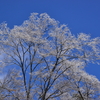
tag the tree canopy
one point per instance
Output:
(47, 61)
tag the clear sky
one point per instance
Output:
(79, 15)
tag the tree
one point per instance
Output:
(11, 86)
(51, 61)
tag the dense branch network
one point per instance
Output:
(47, 61)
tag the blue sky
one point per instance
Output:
(79, 15)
